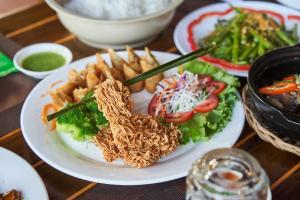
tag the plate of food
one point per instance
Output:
(15, 174)
(246, 30)
(131, 135)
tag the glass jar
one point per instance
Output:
(227, 174)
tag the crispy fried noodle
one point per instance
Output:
(139, 139)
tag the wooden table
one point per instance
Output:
(40, 24)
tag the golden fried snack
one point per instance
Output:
(116, 60)
(66, 88)
(91, 68)
(91, 78)
(83, 73)
(133, 60)
(76, 78)
(117, 74)
(60, 99)
(79, 93)
(102, 77)
(150, 83)
(103, 67)
(130, 73)
(140, 139)
(110, 73)
(150, 58)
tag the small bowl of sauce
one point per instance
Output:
(39, 60)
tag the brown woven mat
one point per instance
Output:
(276, 139)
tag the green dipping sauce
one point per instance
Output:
(43, 61)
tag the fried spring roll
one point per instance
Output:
(91, 78)
(60, 99)
(111, 73)
(103, 67)
(76, 78)
(149, 62)
(133, 60)
(67, 88)
(150, 58)
(116, 60)
(130, 73)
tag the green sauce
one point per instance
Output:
(43, 61)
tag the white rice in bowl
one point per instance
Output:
(116, 9)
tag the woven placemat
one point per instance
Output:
(276, 139)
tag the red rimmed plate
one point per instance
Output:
(201, 22)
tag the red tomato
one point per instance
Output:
(215, 87)
(203, 78)
(279, 88)
(208, 104)
(152, 105)
(291, 78)
(178, 117)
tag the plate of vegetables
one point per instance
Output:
(247, 30)
(82, 143)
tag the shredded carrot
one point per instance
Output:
(167, 82)
(47, 110)
(170, 84)
(55, 83)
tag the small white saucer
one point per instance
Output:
(38, 48)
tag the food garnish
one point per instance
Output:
(199, 100)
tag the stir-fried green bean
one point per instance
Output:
(249, 35)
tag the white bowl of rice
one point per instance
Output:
(115, 23)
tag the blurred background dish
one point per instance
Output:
(200, 23)
(17, 174)
(115, 33)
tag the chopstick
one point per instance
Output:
(152, 72)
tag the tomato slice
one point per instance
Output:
(178, 117)
(290, 78)
(279, 88)
(215, 87)
(153, 105)
(203, 78)
(208, 104)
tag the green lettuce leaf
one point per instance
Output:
(203, 126)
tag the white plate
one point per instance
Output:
(16, 173)
(85, 161)
(291, 3)
(207, 24)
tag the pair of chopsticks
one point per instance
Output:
(157, 70)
